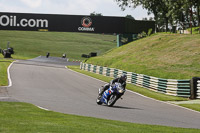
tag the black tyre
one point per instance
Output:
(113, 98)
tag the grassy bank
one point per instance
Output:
(3, 72)
(192, 106)
(30, 44)
(23, 118)
(171, 56)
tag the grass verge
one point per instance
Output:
(3, 71)
(192, 106)
(23, 118)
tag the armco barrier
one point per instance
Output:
(167, 86)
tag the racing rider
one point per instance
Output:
(121, 79)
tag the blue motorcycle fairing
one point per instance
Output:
(107, 93)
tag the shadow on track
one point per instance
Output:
(122, 107)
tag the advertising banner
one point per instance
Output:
(72, 23)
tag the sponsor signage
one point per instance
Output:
(72, 23)
(11, 21)
(86, 24)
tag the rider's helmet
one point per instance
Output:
(123, 77)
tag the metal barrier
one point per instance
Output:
(167, 86)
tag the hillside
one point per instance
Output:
(171, 56)
(30, 44)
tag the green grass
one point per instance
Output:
(97, 76)
(195, 30)
(30, 44)
(26, 118)
(192, 106)
(3, 71)
(143, 91)
(23, 117)
(170, 56)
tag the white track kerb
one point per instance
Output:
(9, 77)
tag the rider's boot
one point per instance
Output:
(101, 92)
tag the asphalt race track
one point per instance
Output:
(48, 84)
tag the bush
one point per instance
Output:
(149, 32)
(141, 35)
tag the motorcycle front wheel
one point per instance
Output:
(112, 100)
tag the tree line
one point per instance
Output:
(168, 13)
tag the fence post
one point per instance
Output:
(119, 40)
(81, 64)
(193, 85)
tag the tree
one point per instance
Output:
(150, 19)
(184, 11)
(197, 5)
(177, 12)
(144, 19)
(167, 11)
(95, 14)
(129, 16)
(157, 7)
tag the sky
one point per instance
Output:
(71, 7)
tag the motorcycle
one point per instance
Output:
(111, 95)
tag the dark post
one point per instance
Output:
(47, 55)
(198, 15)
(64, 56)
(8, 45)
(193, 85)
(191, 20)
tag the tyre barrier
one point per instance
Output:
(181, 88)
